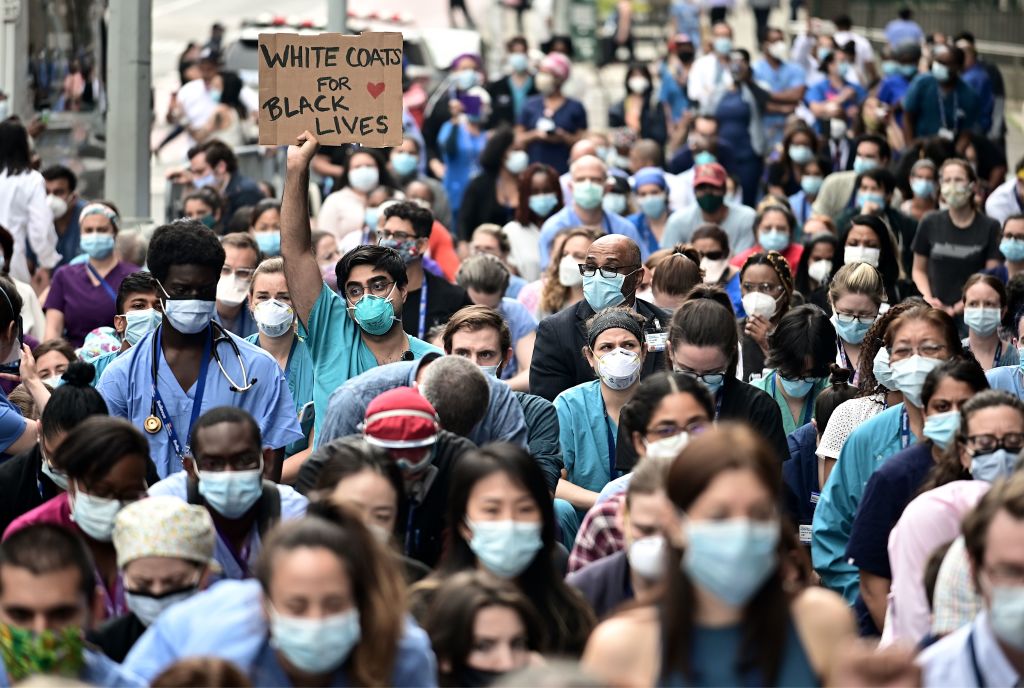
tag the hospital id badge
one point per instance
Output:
(656, 341)
(805, 534)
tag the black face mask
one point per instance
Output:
(685, 56)
(478, 678)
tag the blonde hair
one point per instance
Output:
(857, 278)
(553, 296)
(271, 266)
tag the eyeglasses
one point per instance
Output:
(234, 463)
(849, 318)
(714, 255)
(387, 235)
(607, 273)
(762, 287)
(378, 287)
(986, 444)
(241, 273)
(709, 378)
(928, 350)
(671, 430)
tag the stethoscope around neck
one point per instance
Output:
(219, 335)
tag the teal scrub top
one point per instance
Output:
(773, 388)
(299, 374)
(101, 363)
(1007, 378)
(587, 436)
(867, 448)
(337, 349)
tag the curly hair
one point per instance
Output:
(183, 242)
(553, 294)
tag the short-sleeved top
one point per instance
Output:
(887, 494)
(337, 349)
(957, 110)
(893, 88)
(955, 253)
(1007, 378)
(299, 373)
(738, 225)
(443, 300)
(566, 218)
(85, 306)
(12, 424)
(570, 117)
(293, 505)
(127, 387)
(1008, 354)
(847, 417)
(587, 436)
(520, 324)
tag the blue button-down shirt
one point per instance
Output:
(566, 218)
(503, 421)
(127, 387)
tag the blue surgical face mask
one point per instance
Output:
(588, 195)
(908, 70)
(404, 163)
(603, 292)
(375, 314)
(98, 246)
(880, 369)
(983, 321)
(1005, 614)
(922, 188)
(908, 375)
(731, 559)
(993, 466)
(773, 240)
(797, 388)
(865, 197)
(365, 178)
(489, 371)
(844, 69)
(652, 206)
(722, 45)
(189, 316)
(370, 216)
(850, 330)
(543, 204)
(940, 72)
(518, 62)
(59, 478)
(704, 158)
(231, 493)
(1012, 249)
(811, 184)
(505, 548)
(890, 67)
(941, 428)
(139, 324)
(801, 155)
(315, 646)
(204, 181)
(862, 165)
(465, 79)
(269, 242)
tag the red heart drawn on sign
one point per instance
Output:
(375, 89)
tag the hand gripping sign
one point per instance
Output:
(344, 89)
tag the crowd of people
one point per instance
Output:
(698, 399)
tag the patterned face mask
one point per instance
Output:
(26, 653)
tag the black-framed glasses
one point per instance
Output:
(710, 379)
(378, 287)
(714, 255)
(671, 429)
(608, 273)
(849, 318)
(986, 444)
(386, 235)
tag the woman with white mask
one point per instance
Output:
(561, 285)
(767, 287)
(588, 414)
(917, 341)
(868, 240)
(729, 577)
(271, 306)
(344, 210)
(712, 243)
(984, 313)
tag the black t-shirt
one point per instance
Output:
(23, 486)
(117, 636)
(443, 300)
(955, 253)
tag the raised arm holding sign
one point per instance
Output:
(343, 89)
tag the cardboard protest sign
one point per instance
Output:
(344, 89)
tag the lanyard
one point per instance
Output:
(197, 404)
(805, 414)
(612, 473)
(113, 600)
(423, 309)
(904, 428)
(103, 283)
(978, 677)
(942, 107)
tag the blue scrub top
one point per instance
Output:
(770, 385)
(127, 387)
(867, 448)
(587, 436)
(520, 324)
(227, 621)
(566, 218)
(1007, 378)
(102, 363)
(337, 349)
(293, 505)
(299, 373)
(12, 424)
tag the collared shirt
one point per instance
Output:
(1007, 378)
(952, 660)
(338, 352)
(98, 670)
(599, 534)
(227, 621)
(346, 409)
(931, 520)
(127, 387)
(867, 448)
(24, 213)
(706, 74)
(587, 436)
(566, 218)
(293, 505)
